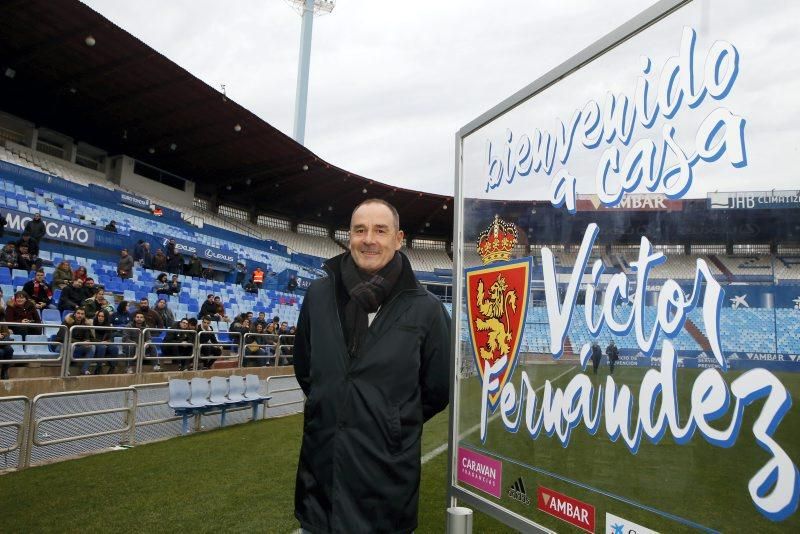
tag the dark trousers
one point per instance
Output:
(595, 364)
(6, 353)
(611, 365)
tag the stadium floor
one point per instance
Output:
(236, 479)
(241, 478)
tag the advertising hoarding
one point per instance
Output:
(617, 361)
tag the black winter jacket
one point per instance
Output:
(359, 467)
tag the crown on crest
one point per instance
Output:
(496, 242)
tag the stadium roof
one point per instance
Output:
(125, 97)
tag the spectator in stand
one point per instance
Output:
(220, 310)
(238, 322)
(138, 251)
(291, 285)
(272, 338)
(111, 227)
(261, 319)
(39, 291)
(208, 307)
(195, 267)
(97, 302)
(62, 276)
(103, 319)
(89, 287)
(283, 330)
(186, 347)
(161, 286)
(160, 261)
(256, 344)
(241, 271)
(131, 336)
(36, 228)
(167, 317)
(208, 272)
(28, 241)
(2, 301)
(174, 285)
(125, 264)
(147, 257)
(121, 317)
(250, 287)
(208, 343)
(25, 261)
(21, 309)
(78, 318)
(152, 318)
(3, 223)
(80, 272)
(28, 253)
(8, 257)
(258, 277)
(175, 263)
(6, 351)
(276, 324)
(72, 296)
(171, 249)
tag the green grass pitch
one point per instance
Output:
(241, 478)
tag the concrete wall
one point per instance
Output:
(123, 175)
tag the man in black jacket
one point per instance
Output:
(36, 228)
(39, 291)
(72, 296)
(371, 354)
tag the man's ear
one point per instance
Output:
(400, 236)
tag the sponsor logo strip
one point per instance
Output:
(566, 508)
(617, 525)
(480, 471)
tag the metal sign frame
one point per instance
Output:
(634, 26)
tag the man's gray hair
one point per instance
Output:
(395, 215)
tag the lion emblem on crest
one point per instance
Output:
(493, 312)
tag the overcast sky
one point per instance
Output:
(391, 82)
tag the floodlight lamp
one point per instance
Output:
(320, 6)
(90, 40)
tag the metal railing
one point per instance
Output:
(33, 340)
(40, 439)
(134, 335)
(150, 348)
(267, 345)
(285, 351)
(230, 345)
(63, 425)
(20, 423)
(137, 348)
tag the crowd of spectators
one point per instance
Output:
(106, 323)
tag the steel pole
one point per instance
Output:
(301, 97)
(459, 520)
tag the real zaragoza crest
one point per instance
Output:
(497, 296)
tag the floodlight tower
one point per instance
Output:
(307, 8)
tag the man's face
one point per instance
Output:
(124, 253)
(143, 304)
(40, 277)
(100, 294)
(216, 300)
(261, 315)
(89, 282)
(37, 217)
(77, 283)
(373, 237)
(80, 315)
(206, 323)
(184, 324)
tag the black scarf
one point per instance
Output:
(367, 294)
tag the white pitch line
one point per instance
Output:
(443, 447)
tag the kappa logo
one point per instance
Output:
(518, 493)
(497, 302)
